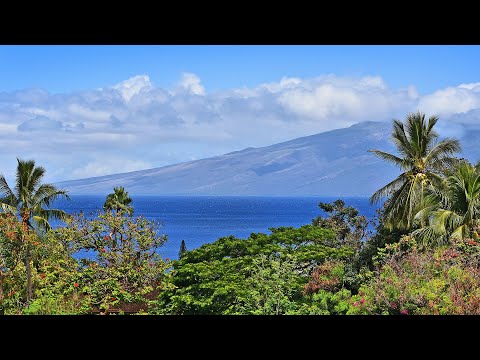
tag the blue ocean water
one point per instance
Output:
(203, 219)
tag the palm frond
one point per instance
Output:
(442, 151)
(47, 193)
(35, 178)
(414, 124)
(41, 222)
(10, 209)
(427, 236)
(459, 233)
(388, 189)
(24, 171)
(4, 188)
(431, 123)
(390, 158)
(43, 216)
(400, 139)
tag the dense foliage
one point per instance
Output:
(422, 258)
(262, 274)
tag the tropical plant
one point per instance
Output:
(272, 287)
(454, 208)
(425, 281)
(345, 221)
(121, 268)
(216, 278)
(183, 249)
(423, 159)
(31, 200)
(119, 201)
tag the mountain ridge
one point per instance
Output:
(331, 163)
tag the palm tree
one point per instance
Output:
(454, 209)
(422, 159)
(31, 201)
(119, 201)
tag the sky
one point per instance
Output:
(83, 111)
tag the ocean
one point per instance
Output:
(203, 219)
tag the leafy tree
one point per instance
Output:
(382, 236)
(272, 287)
(422, 159)
(12, 252)
(52, 269)
(414, 279)
(31, 200)
(326, 290)
(183, 249)
(121, 267)
(454, 209)
(350, 227)
(119, 201)
(213, 279)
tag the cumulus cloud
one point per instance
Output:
(133, 86)
(452, 100)
(191, 83)
(134, 125)
(39, 123)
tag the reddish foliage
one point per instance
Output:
(470, 242)
(322, 278)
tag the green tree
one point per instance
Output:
(422, 160)
(272, 287)
(350, 227)
(119, 201)
(454, 209)
(183, 249)
(214, 278)
(123, 269)
(31, 200)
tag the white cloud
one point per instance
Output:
(105, 166)
(452, 100)
(344, 99)
(191, 83)
(133, 86)
(134, 125)
(40, 123)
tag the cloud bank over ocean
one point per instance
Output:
(134, 125)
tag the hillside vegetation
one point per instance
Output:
(422, 258)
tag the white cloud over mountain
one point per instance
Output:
(134, 125)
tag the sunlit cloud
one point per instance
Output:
(134, 125)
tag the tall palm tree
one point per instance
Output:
(422, 159)
(454, 209)
(119, 201)
(31, 200)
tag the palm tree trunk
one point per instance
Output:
(29, 274)
(1, 290)
(2, 311)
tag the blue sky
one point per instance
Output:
(84, 111)
(60, 68)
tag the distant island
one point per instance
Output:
(333, 163)
(421, 258)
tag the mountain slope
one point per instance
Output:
(333, 163)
